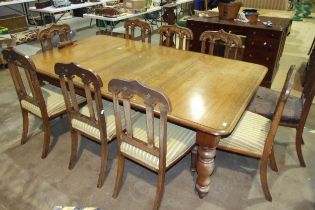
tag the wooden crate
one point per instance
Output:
(15, 23)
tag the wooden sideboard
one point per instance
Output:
(263, 45)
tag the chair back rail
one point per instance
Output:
(145, 28)
(284, 95)
(308, 90)
(92, 84)
(310, 76)
(46, 35)
(233, 47)
(168, 31)
(18, 63)
(126, 90)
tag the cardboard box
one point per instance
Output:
(134, 4)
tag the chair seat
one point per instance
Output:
(265, 101)
(249, 135)
(54, 101)
(179, 141)
(109, 118)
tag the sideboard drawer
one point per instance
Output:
(263, 44)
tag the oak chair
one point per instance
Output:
(46, 35)
(95, 120)
(254, 135)
(233, 46)
(149, 141)
(45, 102)
(168, 32)
(145, 28)
(296, 110)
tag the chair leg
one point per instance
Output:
(25, 126)
(101, 177)
(263, 179)
(298, 145)
(273, 163)
(194, 156)
(74, 149)
(159, 190)
(46, 139)
(120, 173)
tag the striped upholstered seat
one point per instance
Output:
(266, 4)
(54, 101)
(249, 135)
(179, 141)
(108, 108)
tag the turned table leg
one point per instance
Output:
(205, 164)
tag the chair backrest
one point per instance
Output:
(17, 64)
(284, 95)
(126, 90)
(233, 47)
(145, 28)
(308, 93)
(310, 76)
(92, 84)
(171, 31)
(45, 36)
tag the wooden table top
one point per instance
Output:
(207, 93)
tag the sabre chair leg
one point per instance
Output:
(159, 190)
(263, 179)
(273, 163)
(46, 139)
(120, 173)
(74, 149)
(104, 160)
(298, 145)
(194, 156)
(25, 126)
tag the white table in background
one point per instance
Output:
(124, 16)
(52, 10)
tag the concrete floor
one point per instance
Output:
(28, 182)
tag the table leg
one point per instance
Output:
(205, 164)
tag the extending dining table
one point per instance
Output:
(208, 94)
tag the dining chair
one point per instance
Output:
(46, 36)
(149, 141)
(296, 110)
(254, 135)
(233, 46)
(168, 32)
(145, 28)
(45, 102)
(95, 120)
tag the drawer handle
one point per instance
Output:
(250, 55)
(265, 43)
(252, 43)
(267, 58)
(254, 32)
